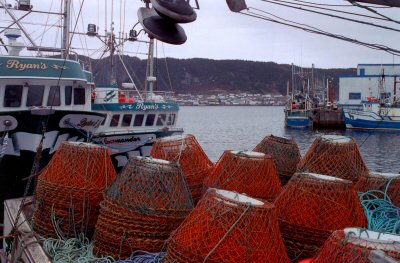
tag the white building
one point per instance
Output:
(355, 88)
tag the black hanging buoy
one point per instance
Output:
(179, 11)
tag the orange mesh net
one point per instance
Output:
(246, 172)
(188, 153)
(228, 227)
(311, 207)
(70, 189)
(333, 155)
(285, 153)
(355, 245)
(147, 201)
(379, 181)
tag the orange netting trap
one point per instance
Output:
(70, 189)
(285, 153)
(380, 181)
(311, 207)
(194, 162)
(334, 155)
(228, 227)
(246, 172)
(355, 245)
(147, 201)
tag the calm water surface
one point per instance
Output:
(242, 128)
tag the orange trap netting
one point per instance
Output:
(379, 181)
(228, 227)
(353, 245)
(334, 155)
(246, 172)
(70, 189)
(285, 153)
(147, 201)
(188, 153)
(311, 207)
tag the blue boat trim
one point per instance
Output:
(136, 106)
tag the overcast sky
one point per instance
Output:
(219, 33)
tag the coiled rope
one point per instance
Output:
(140, 257)
(382, 214)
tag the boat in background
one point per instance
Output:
(377, 113)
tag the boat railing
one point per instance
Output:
(124, 95)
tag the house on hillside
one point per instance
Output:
(355, 88)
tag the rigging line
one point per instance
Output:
(374, 11)
(333, 10)
(167, 68)
(52, 26)
(127, 72)
(47, 20)
(84, 37)
(334, 16)
(313, 3)
(321, 32)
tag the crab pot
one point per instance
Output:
(194, 162)
(228, 227)
(70, 189)
(285, 153)
(147, 201)
(334, 155)
(356, 244)
(311, 207)
(246, 172)
(379, 181)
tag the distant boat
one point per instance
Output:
(377, 113)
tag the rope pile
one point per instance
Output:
(311, 207)
(334, 155)
(246, 172)
(194, 162)
(380, 181)
(140, 257)
(70, 189)
(285, 153)
(147, 201)
(355, 245)
(228, 227)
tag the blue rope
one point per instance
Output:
(141, 257)
(381, 213)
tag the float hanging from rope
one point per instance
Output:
(334, 155)
(311, 207)
(70, 189)
(388, 183)
(147, 201)
(285, 153)
(185, 150)
(246, 172)
(357, 245)
(228, 227)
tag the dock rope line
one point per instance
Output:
(382, 214)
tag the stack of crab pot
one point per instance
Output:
(185, 150)
(246, 172)
(388, 183)
(334, 155)
(311, 207)
(359, 245)
(228, 227)
(147, 201)
(70, 189)
(285, 153)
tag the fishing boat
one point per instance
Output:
(298, 110)
(377, 113)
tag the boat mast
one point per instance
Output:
(151, 78)
(66, 29)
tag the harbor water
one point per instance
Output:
(222, 128)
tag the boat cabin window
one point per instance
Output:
(79, 96)
(138, 120)
(150, 119)
(12, 96)
(354, 96)
(171, 119)
(54, 96)
(385, 95)
(126, 120)
(115, 120)
(161, 119)
(68, 95)
(35, 95)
